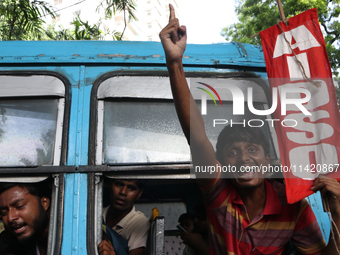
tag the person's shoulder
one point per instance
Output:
(137, 225)
(280, 189)
(140, 216)
(135, 219)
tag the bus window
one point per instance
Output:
(137, 122)
(137, 135)
(172, 198)
(31, 120)
(135, 125)
(28, 129)
(32, 137)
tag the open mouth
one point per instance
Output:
(247, 172)
(19, 228)
(249, 175)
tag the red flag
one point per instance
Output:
(309, 132)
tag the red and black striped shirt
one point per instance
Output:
(231, 232)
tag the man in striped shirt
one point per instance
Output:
(247, 213)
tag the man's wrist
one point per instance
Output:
(174, 65)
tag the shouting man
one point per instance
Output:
(247, 213)
(24, 210)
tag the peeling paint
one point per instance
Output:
(156, 56)
(41, 55)
(186, 56)
(112, 55)
(244, 52)
(76, 55)
(119, 55)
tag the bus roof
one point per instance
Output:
(111, 52)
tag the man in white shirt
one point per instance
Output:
(122, 217)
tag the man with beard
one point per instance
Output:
(24, 210)
(247, 214)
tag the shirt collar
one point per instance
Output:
(123, 222)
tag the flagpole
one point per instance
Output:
(282, 14)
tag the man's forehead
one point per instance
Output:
(14, 194)
(240, 143)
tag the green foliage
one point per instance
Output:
(22, 19)
(126, 6)
(257, 15)
(81, 30)
(112, 6)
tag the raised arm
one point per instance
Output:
(173, 38)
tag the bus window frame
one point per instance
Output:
(63, 130)
(55, 171)
(141, 171)
(97, 102)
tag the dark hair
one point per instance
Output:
(39, 189)
(139, 182)
(229, 135)
(186, 216)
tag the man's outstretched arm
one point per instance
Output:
(173, 38)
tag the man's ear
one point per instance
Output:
(140, 193)
(45, 202)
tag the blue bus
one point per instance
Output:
(79, 113)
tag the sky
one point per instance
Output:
(204, 22)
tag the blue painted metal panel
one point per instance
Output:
(126, 52)
(74, 230)
(74, 242)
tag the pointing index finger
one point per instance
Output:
(172, 12)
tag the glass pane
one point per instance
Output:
(27, 131)
(143, 132)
